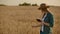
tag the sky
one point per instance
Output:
(16, 2)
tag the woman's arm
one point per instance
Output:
(38, 25)
(46, 24)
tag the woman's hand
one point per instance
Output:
(39, 20)
(46, 24)
(38, 25)
(34, 26)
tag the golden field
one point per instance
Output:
(19, 19)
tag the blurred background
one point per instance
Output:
(16, 2)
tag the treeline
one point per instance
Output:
(2, 5)
(27, 4)
(23, 4)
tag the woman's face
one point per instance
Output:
(43, 10)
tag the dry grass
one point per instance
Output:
(19, 19)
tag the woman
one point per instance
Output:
(46, 21)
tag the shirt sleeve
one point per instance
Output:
(51, 20)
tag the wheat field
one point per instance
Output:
(19, 19)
